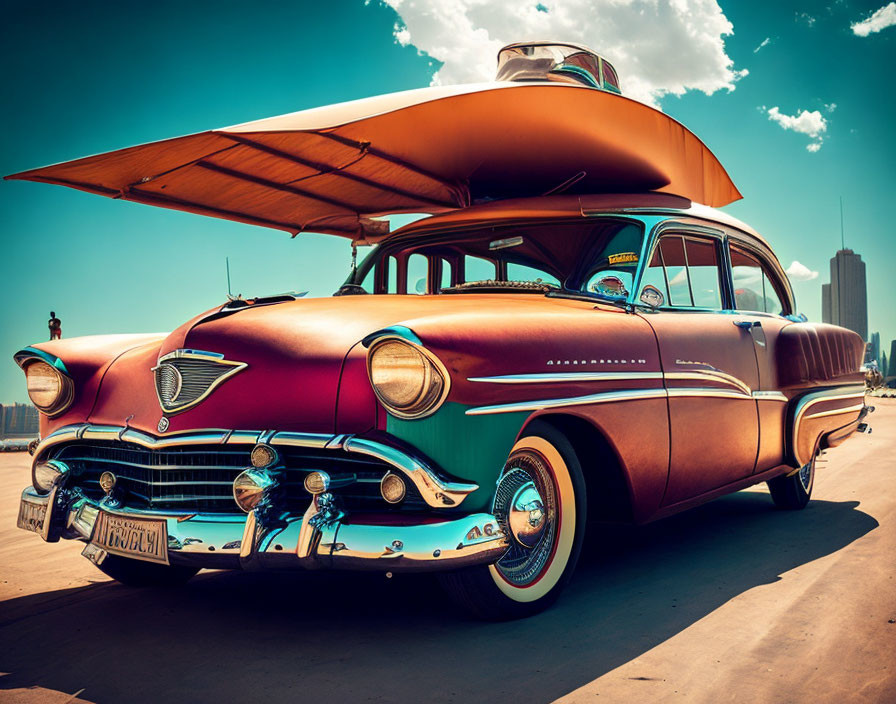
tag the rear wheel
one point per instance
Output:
(139, 573)
(793, 491)
(540, 505)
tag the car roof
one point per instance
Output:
(561, 207)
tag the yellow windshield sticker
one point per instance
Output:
(624, 258)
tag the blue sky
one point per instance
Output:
(82, 78)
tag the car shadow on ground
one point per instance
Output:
(348, 637)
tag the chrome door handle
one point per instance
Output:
(747, 324)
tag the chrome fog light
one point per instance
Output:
(249, 488)
(317, 483)
(392, 488)
(263, 456)
(46, 475)
(108, 482)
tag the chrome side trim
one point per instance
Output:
(606, 397)
(835, 412)
(435, 491)
(574, 377)
(707, 375)
(610, 397)
(567, 377)
(813, 398)
(769, 396)
(708, 393)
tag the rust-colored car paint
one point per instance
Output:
(306, 371)
(87, 359)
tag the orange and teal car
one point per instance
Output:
(573, 333)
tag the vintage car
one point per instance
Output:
(574, 332)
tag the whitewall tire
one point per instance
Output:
(540, 504)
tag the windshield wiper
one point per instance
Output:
(589, 296)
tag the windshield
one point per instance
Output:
(590, 255)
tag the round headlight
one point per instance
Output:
(408, 380)
(49, 390)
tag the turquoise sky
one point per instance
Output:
(82, 78)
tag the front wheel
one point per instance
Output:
(540, 505)
(138, 573)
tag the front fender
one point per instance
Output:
(85, 360)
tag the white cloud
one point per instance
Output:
(800, 272)
(746, 275)
(764, 43)
(830, 107)
(805, 17)
(659, 47)
(880, 19)
(812, 124)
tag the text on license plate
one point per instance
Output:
(142, 538)
(32, 516)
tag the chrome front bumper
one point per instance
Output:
(319, 539)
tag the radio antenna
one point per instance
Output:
(227, 264)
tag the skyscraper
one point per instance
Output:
(845, 299)
(825, 303)
(872, 353)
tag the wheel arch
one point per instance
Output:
(606, 480)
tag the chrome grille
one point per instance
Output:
(168, 381)
(184, 377)
(199, 478)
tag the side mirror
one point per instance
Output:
(651, 296)
(610, 286)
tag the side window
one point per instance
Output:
(418, 272)
(478, 269)
(752, 288)
(610, 76)
(686, 271)
(672, 255)
(703, 270)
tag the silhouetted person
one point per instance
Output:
(55, 325)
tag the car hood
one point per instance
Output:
(305, 365)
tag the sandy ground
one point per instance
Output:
(730, 602)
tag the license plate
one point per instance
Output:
(140, 538)
(32, 515)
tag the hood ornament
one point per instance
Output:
(185, 377)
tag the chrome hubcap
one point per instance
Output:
(806, 475)
(526, 508)
(526, 518)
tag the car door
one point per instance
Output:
(762, 297)
(709, 365)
